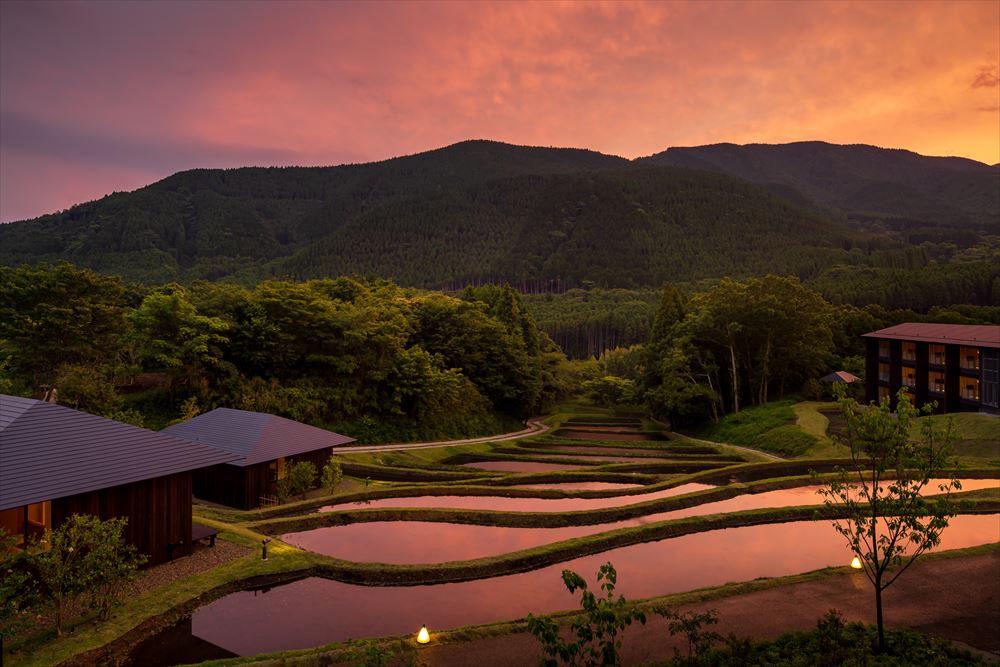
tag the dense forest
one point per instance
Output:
(369, 359)
(894, 188)
(545, 220)
(382, 362)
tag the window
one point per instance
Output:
(909, 351)
(935, 355)
(883, 392)
(883, 348)
(969, 389)
(935, 382)
(969, 358)
(909, 377)
(883, 372)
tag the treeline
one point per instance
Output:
(745, 342)
(366, 358)
(587, 323)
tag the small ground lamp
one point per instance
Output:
(856, 563)
(423, 636)
(263, 548)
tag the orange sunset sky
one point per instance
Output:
(104, 96)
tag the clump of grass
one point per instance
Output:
(788, 440)
(744, 427)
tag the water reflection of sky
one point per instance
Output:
(578, 486)
(431, 542)
(313, 612)
(520, 504)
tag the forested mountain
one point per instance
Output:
(542, 219)
(864, 182)
(208, 223)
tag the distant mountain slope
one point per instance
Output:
(211, 222)
(862, 181)
(622, 228)
(482, 210)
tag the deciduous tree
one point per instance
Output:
(888, 523)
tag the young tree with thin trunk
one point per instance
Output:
(888, 522)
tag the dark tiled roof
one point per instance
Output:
(255, 436)
(973, 335)
(50, 451)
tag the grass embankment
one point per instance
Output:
(770, 427)
(978, 436)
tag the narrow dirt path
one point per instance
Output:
(534, 426)
(954, 598)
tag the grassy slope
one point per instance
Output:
(978, 436)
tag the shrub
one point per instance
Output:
(332, 474)
(597, 632)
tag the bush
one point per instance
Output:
(787, 440)
(300, 477)
(86, 555)
(332, 474)
(598, 631)
(834, 642)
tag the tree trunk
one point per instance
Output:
(878, 615)
(736, 379)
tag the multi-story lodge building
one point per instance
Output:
(956, 365)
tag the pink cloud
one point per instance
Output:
(322, 83)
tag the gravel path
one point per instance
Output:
(204, 558)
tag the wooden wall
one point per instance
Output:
(242, 487)
(158, 512)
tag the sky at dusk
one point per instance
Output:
(104, 96)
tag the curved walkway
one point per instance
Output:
(534, 426)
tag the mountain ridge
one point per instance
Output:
(482, 209)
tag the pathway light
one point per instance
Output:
(423, 636)
(856, 563)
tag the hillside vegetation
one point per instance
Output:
(542, 219)
(900, 189)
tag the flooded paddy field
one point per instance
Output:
(420, 542)
(314, 611)
(578, 486)
(521, 504)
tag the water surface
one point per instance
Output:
(521, 504)
(413, 542)
(313, 612)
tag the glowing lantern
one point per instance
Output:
(423, 636)
(856, 563)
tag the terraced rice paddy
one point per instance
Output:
(315, 611)
(476, 525)
(433, 542)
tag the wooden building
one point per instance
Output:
(956, 365)
(56, 462)
(264, 443)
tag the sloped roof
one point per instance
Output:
(50, 451)
(840, 376)
(973, 335)
(255, 436)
